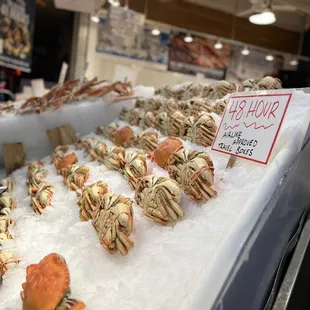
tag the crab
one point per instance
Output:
(220, 89)
(90, 199)
(59, 153)
(115, 158)
(7, 261)
(6, 224)
(151, 105)
(113, 221)
(9, 183)
(124, 137)
(248, 85)
(170, 106)
(192, 90)
(164, 150)
(108, 131)
(33, 167)
(139, 103)
(220, 107)
(123, 89)
(205, 129)
(66, 162)
(134, 116)
(268, 82)
(187, 131)
(98, 151)
(35, 180)
(87, 144)
(7, 203)
(134, 168)
(159, 198)
(148, 120)
(199, 105)
(194, 171)
(147, 140)
(75, 176)
(176, 123)
(162, 121)
(47, 286)
(124, 113)
(42, 198)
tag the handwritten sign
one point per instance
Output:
(250, 126)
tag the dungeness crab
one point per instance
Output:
(7, 203)
(98, 151)
(148, 120)
(113, 221)
(176, 122)
(47, 286)
(9, 183)
(35, 179)
(204, 129)
(7, 261)
(194, 171)
(268, 82)
(114, 158)
(42, 198)
(66, 162)
(75, 176)
(6, 224)
(147, 140)
(159, 198)
(124, 137)
(107, 131)
(162, 123)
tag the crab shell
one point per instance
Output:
(151, 105)
(47, 286)
(66, 161)
(268, 82)
(89, 201)
(32, 169)
(113, 221)
(201, 105)
(35, 180)
(170, 106)
(98, 151)
(176, 123)
(124, 137)
(221, 89)
(205, 129)
(42, 198)
(134, 168)
(194, 171)
(134, 116)
(7, 203)
(109, 130)
(187, 130)
(75, 176)
(220, 107)
(6, 224)
(115, 158)
(148, 120)
(159, 198)
(148, 140)
(248, 85)
(165, 149)
(162, 123)
(193, 90)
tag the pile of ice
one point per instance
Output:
(168, 265)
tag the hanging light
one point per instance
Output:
(155, 32)
(267, 17)
(218, 45)
(269, 58)
(188, 38)
(95, 19)
(245, 51)
(294, 62)
(114, 2)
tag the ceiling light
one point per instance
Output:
(269, 58)
(245, 51)
(114, 2)
(95, 19)
(267, 17)
(188, 38)
(155, 32)
(294, 62)
(218, 45)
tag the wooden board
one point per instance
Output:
(14, 156)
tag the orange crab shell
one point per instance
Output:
(46, 283)
(66, 161)
(123, 135)
(164, 150)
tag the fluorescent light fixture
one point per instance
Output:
(155, 32)
(95, 19)
(269, 58)
(245, 51)
(218, 45)
(267, 17)
(294, 62)
(188, 38)
(114, 2)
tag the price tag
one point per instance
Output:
(250, 126)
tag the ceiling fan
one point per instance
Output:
(258, 6)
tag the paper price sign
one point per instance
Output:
(250, 126)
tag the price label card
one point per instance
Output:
(250, 126)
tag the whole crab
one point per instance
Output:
(199, 105)
(164, 150)
(139, 103)
(220, 107)
(159, 198)
(33, 167)
(42, 198)
(9, 183)
(66, 162)
(124, 137)
(187, 131)
(220, 89)
(147, 140)
(108, 131)
(114, 158)
(6, 224)
(98, 151)
(47, 286)
(7, 261)
(176, 123)
(75, 176)
(134, 168)
(162, 121)
(59, 153)
(123, 89)
(248, 85)
(134, 116)
(268, 82)
(90, 199)
(194, 171)
(192, 90)
(123, 115)
(7, 203)
(152, 104)
(170, 106)
(35, 180)
(205, 129)
(148, 120)
(113, 221)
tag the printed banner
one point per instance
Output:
(250, 126)
(147, 47)
(16, 28)
(198, 56)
